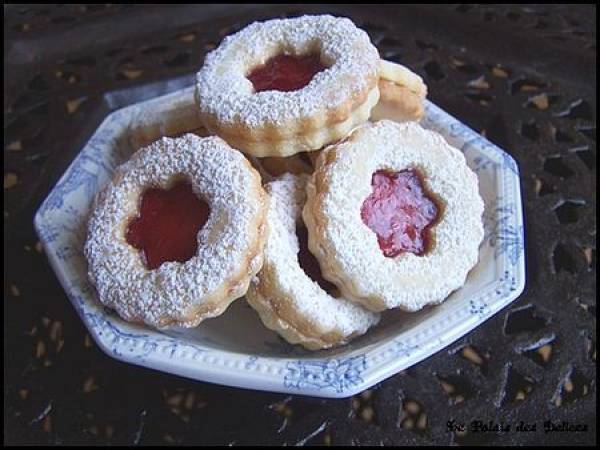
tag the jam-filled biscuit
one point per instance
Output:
(402, 94)
(178, 232)
(287, 299)
(272, 167)
(394, 216)
(168, 116)
(283, 86)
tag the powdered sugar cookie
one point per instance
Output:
(402, 94)
(394, 216)
(284, 86)
(178, 232)
(272, 167)
(286, 298)
(169, 116)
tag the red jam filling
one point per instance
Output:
(309, 263)
(400, 212)
(168, 224)
(285, 73)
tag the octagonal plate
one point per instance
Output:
(235, 349)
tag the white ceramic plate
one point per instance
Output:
(235, 349)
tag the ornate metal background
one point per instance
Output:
(523, 75)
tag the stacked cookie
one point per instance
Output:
(359, 210)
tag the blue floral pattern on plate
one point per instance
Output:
(502, 233)
(337, 374)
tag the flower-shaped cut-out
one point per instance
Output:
(168, 224)
(286, 73)
(400, 212)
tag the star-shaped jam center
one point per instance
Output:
(168, 224)
(285, 73)
(400, 212)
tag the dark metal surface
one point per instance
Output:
(523, 75)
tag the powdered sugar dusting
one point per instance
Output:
(407, 281)
(309, 302)
(170, 293)
(224, 91)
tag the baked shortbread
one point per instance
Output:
(402, 99)
(272, 167)
(169, 116)
(284, 86)
(178, 232)
(286, 298)
(402, 94)
(394, 216)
